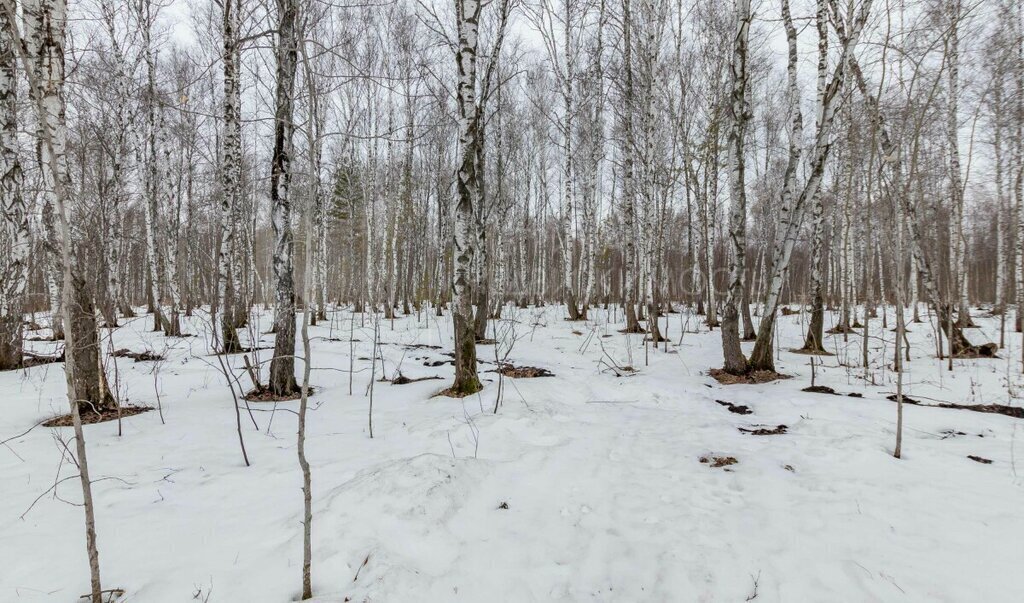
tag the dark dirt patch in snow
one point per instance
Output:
(985, 350)
(245, 350)
(761, 430)
(750, 378)
(735, 408)
(90, 416)
(523, 372)
(718, 461)
(820, 389)
(145, 356)
(402, 379)
(1016, 412)
(906, 400)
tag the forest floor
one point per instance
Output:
(587, 485)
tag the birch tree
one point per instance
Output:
(230, 173)
(45, 23)
(15, 242)
(792, 207)
(735, 361)
(956, 191)
(282, 367)
(468, 23)
(628, 202)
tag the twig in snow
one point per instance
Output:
(757, 580)
(365, 561)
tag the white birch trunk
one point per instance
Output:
(282, 366)
(467, 19)
(230, 172)
(15, 241)
(735, 361)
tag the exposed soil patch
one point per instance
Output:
(985, 350)
(998, 409)
(485, 342)
(249, 350)
(761, 430)
(719, 461)
(90, 416)
(735, 408)
(980, 459)
(145, 356)
(523, 372)
(906, 400)
(1016, 412)
(435, 362)
(753, 377)
(402, 379)
(820, 389)
(420, 346)
(788, 312)
(263, 394)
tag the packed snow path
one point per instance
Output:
(584, 486)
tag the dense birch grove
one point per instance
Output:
(738, 159)
(577, 152)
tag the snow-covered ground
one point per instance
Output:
(606, 497)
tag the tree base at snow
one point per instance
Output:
(263, 394)
(452, 392)
(809, 351)
(101, 415)
(726, 378)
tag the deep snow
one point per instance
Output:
(606, 498)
